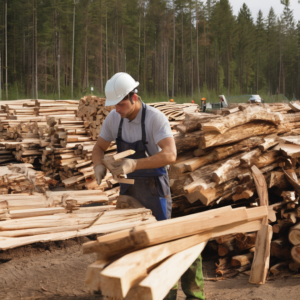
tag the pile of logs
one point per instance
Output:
(218, 172)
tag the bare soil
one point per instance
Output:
(56, 270)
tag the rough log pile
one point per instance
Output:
(218, 173)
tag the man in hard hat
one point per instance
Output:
(134, 125)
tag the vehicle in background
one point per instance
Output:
(210, 106)
(255, 99)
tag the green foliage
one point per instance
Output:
(236, 54)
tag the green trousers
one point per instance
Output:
(192, 282)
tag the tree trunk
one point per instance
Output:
(6, 78)
(58, 67)
(73, 41)
(106, 54)
(192, 77)
(36, 66)
(173, 80)
(46, 79)
(101, 61)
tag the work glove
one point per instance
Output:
(124, 166)
(125, 201)
(100, 172)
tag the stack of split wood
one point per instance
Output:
(93, 112)
(23, 227)
(22, 178)
(218, 172)
(23, 127)
(174, 111)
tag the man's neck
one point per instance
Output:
(137, 107)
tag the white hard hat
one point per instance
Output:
(119, 86)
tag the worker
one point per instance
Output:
(134, 125)
(203, 104)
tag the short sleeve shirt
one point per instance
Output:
(156, 124)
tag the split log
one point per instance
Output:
(270, 141)
(226, 249)
(193, 120)
(292, 151)
(294, 266)
(276, 269)
(295, 252)
(187, 141)
(281, 248)
(250, 114)
(278, 179)
(241, 260)
(213, 138)
(225, 238)
(294, 234)
(217, 154)
(245, 241)
(261, 259)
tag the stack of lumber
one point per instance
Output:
(23, 128)
(93, 111)
(174, 111)
(22, 178)
(145, 263)
(23, 227)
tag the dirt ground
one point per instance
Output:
(56, 270)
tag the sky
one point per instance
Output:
(264, 6)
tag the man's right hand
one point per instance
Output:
(100, 172)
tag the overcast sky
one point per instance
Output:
(265, 5)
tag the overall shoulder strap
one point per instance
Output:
(120, 129)
(143, 124)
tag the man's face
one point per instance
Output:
(125, 107)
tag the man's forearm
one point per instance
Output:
(160, 159)
(97, 155)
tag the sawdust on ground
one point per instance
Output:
(56, 270)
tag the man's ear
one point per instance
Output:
(134, 97)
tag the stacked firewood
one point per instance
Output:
(22, 178)
(218, 173)
(93, 111)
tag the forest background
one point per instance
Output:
(181, 49)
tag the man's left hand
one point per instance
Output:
(124, 166)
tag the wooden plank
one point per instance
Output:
(10, 243)
(123, 154)
(162, 279)
(120, 276)
(260, 265)
(176, 228)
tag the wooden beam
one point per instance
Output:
(261, 259)
(162, 279)
(123, 154)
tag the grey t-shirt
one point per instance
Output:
(156, 124)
